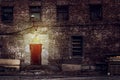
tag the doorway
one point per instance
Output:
(36, 50)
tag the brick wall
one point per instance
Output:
(100, 38)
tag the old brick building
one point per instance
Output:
(82, 33)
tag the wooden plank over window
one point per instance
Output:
(77, 45)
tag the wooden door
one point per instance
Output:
(36, 50)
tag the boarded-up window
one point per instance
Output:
(77, 45)
(62, 13)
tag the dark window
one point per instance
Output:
(77, 43)
(117, 1)
(62, 13)
(7, 14)
(35, 0)
(36, 12)
(8, 0)
(96, 12)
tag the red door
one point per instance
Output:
(36, 50)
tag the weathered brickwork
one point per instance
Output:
(100, 38)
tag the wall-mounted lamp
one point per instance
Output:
(33, 19)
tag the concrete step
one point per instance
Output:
(41, 67)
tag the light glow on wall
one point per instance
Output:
(37, 38)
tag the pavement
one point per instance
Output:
(59, 78)
(39, 75)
